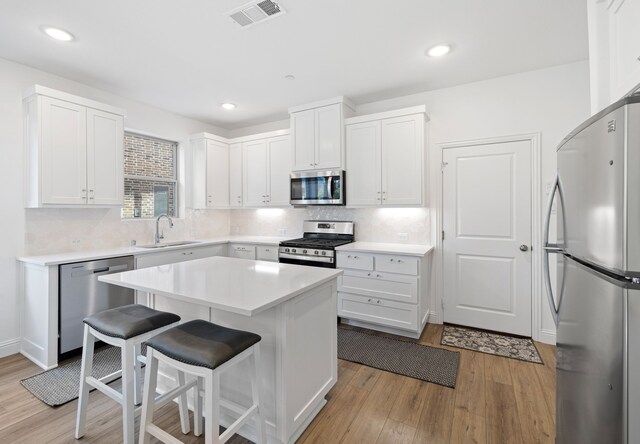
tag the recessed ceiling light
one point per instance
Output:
(290, 77)
(228, 105)
(439, 50)
(58, 34)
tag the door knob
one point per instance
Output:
(524, 247)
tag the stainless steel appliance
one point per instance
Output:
(318, 244)
(597, 296)
(318, 188)
(82, 295)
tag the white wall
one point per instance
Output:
(550, 101)
(39, 231)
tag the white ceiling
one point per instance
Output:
(188, 57)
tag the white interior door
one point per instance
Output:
(487, 236)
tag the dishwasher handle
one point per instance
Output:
(112, 269)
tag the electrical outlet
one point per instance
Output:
(75, 243)
(402, 236)
(282, 231)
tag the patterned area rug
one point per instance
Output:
(492, 343)
(61, 384)
(397, 356)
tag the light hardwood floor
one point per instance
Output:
(496, 400)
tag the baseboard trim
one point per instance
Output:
(547, 337)
(10, 347)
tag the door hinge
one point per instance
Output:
(442, 234)
(443, 165)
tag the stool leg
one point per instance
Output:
(183, 406)
(149, 394)
(255, 388)
(212, 408)
(86, 371)
(197, 407)
(128, 389)
(137, 374)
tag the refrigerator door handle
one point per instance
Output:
(548, 249)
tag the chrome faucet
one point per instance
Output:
(160, 235)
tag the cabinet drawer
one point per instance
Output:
(380, 285)
(397, 264)
(242, 251)
(378, 311)
(267, 253)
(358, 261)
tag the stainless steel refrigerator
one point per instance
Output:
(596, 304)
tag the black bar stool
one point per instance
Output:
(126, 327)
(204, 350)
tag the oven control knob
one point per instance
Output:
(286, 250)
(324, 253)
(304, 251)
(293, 250)
(316, 252)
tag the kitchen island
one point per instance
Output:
(292, 307)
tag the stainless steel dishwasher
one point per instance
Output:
(81, 295)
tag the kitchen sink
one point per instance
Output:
(169, 244)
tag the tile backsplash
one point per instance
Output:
(61, 230)
(395, 225)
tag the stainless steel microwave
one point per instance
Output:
(318, 188)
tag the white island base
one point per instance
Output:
(298, 330)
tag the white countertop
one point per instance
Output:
(237, 285)
(377, 247)
(81, 256)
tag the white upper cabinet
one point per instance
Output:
(402, 160)
(317, 134)
(304, 140)
(385, 158)
(73, 151)
(279, 150)
(105, 172)
(217, 174)
(267, 168)
(363, 163)
(255, 158)
(614, 50)
(235, 175)
(210, 172)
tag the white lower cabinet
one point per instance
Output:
(242, 251)
(267, 253)
(181, 255)
(384, 292)
(378, 311)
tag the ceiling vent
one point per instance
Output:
(255, 12)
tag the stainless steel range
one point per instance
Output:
(318, 244)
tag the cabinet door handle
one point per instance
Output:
(378, 275)
(368, 274)
(378, 301)
(369, 300)
(356, 257)
(391, 260)
(185, 254)
(311, 164)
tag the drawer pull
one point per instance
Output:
(378, 275)
(356, 257)
(368, 274)
(369, 300)
(378, 301)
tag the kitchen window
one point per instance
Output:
(150, 177)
